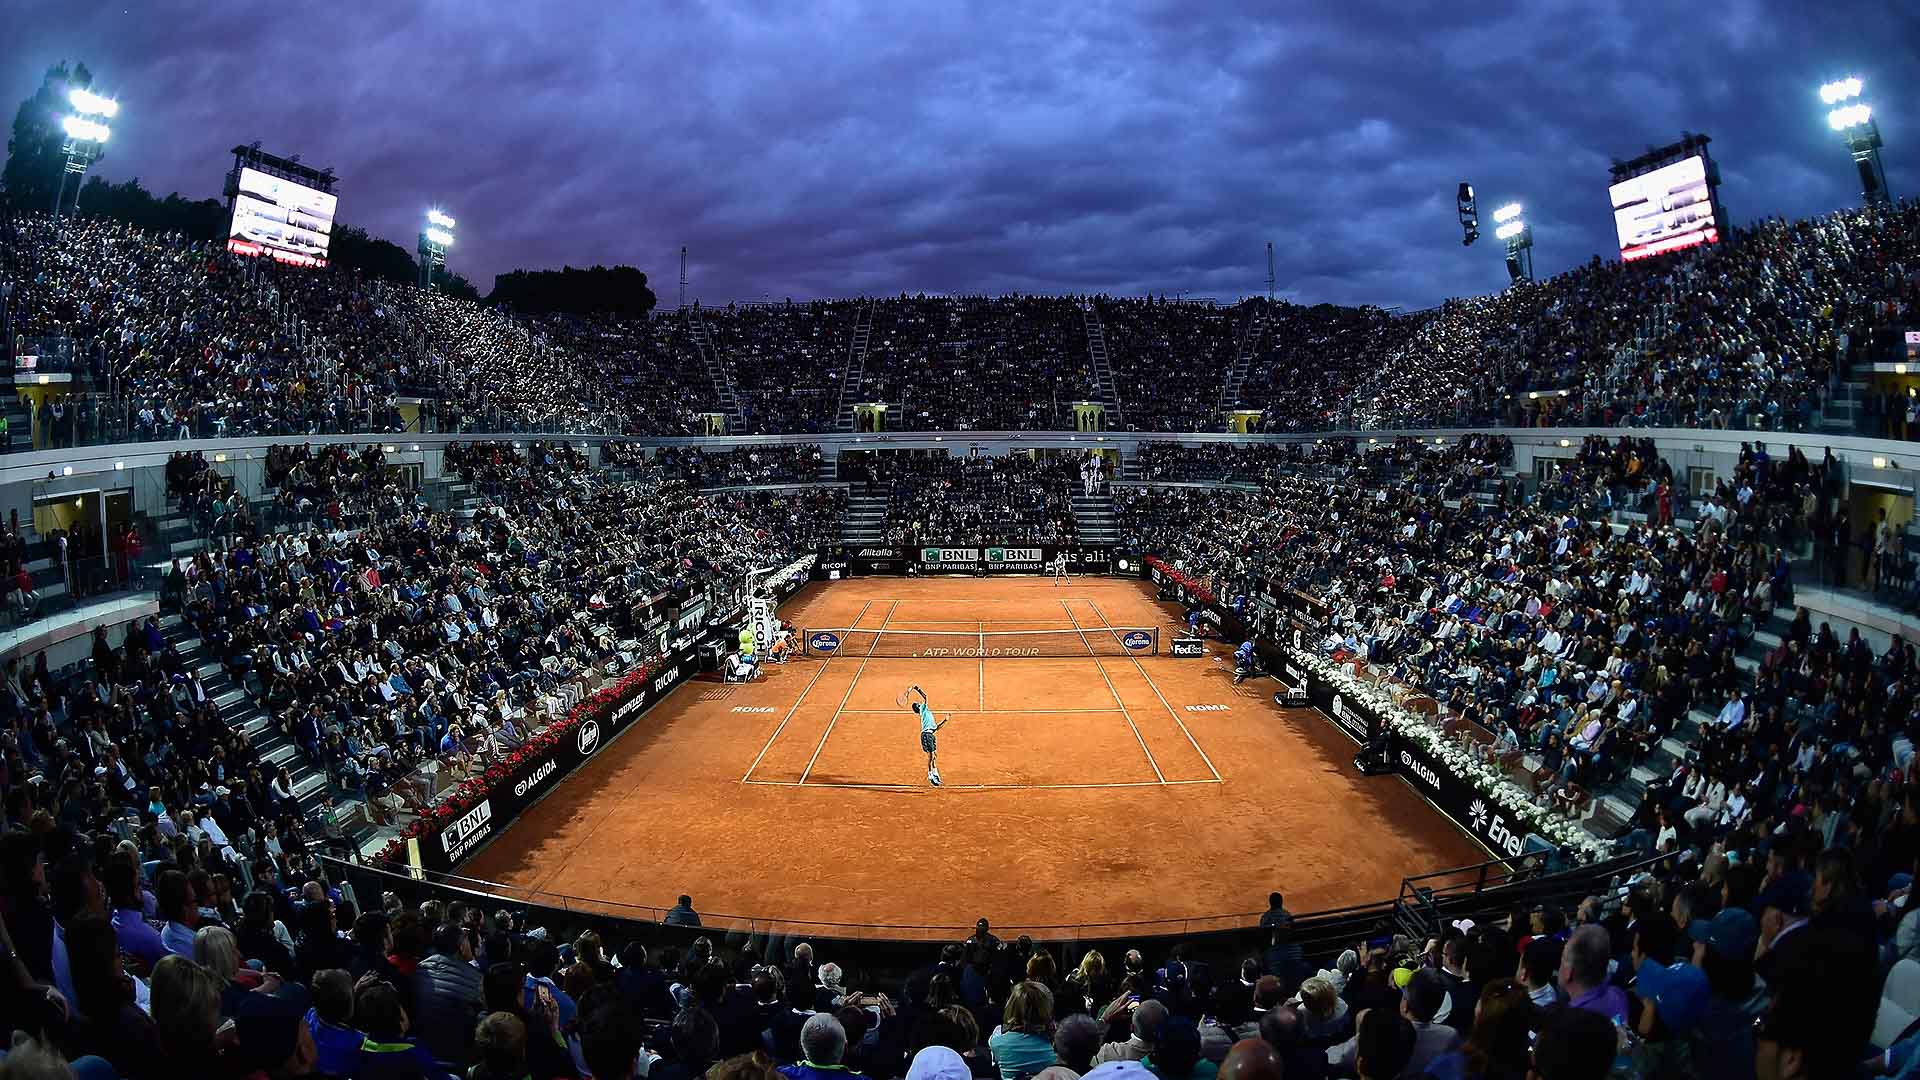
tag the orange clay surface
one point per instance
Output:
(1077, 791)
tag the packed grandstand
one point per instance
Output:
(204, 805)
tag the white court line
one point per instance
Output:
(848, 696)
(983, 712)
(796, 705)
(1116, 695)
(1155, 687)
(983, 670)
(977, 787)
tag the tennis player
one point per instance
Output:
(924, 711)
(1059, 568)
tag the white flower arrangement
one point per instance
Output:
(793, 571)
(1490, 782)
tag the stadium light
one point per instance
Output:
(87, 132)
(435, 238)
(1469, 214)
(1840, 90)
(91, 104)
(81, 129)
(1854, 122)
(1518, 236)
(1849, 116)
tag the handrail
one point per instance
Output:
(1491, 879)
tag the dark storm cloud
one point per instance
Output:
(827, 149)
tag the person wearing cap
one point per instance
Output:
(1674, 999)
(1420, 1000)
(1784, 907)
(1723, 951)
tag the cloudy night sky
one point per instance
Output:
(814, 149)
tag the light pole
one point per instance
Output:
(1519, 237)
(435, 239)
(1853, 119)
(87, 132)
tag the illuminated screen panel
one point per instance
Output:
(1665, 210)
(282, 219)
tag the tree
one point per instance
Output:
(353, 249)
(203, 219)
(618, 290)
(35, 158)
(456, 285)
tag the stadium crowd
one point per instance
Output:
(173, 338)
(139, 957)
(977, 363)
(986, 499)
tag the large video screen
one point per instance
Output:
(1665, 210)
(288, 221)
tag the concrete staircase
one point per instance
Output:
(1095, 520)
(1614, 803)
(1250, 338)
(856, 368)
(1102, 365)
(718, 372)
(273, 745)
(866, 516)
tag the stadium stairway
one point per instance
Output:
(1102, 365)
(274, 746)
(1094, 519)
(866, 516)
(856, 368)
(717, 371)
(1250, 337)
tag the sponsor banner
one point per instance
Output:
(538, 774)
(1136, 641)
(1186, 646)
(1479, 816)
(1355, 720)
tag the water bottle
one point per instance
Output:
(1626, 1055)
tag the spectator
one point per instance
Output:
(448, 995)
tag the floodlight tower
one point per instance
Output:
(1853, 119)
(87, 133)
(1519, 237)
(435, 239)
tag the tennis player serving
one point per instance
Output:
(924, 711)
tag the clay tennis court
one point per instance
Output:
(1098, 788)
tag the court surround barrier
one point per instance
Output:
(1424, 904)
(1438, 783)
(967, 557)
(478, 809)
(1102, 640)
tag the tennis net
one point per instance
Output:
(971, 644)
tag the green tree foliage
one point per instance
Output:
(456, 285)
(580, 291)
(201, 219)
(35, 159)
(352, 249)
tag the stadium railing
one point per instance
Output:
(1424, 904)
